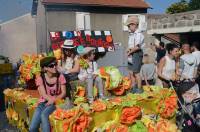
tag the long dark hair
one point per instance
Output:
(170, 47)
(70, 52)
(89, 54)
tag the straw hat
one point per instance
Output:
(86, 50)
(132, 19)
(68, 44)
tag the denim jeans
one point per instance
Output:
(41, 115)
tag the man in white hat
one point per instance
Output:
(135, 45)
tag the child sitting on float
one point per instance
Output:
(51, 87)
(87, 73)
(69, 65)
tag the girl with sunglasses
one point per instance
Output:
(51, 86)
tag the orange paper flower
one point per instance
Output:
(129, 114)
(119, 91)
(82, 123)
(98, 106)
(121, 128)
(167, 107)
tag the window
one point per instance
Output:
(83, 21)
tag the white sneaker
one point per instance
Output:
(90, 101)
(103, 97)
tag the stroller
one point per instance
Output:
(188, 109)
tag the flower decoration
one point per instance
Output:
(129, 115)
(29, 68)
(83, 63)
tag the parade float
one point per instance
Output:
(152, 111)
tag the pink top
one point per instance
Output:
(52, 89)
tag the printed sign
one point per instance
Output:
(102, 40)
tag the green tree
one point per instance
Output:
(194, 5)
(178, 7)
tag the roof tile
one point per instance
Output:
(109, 3)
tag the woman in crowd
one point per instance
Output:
(51, 87)
(167, 65)
(87, 73)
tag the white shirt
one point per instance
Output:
(169, 67)
(69, 63)
(86, 73)
(189, 66)
(136, 38)
(197, 56)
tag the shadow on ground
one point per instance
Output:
(4, 125)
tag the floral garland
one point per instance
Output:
(83, 63)
(29, 68)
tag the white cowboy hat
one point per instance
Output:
(68, 44)
(132, 19)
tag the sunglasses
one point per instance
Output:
(52, 65)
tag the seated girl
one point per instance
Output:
(51, 86)
(70, 64)
(87, 73)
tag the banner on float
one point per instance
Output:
(102, 40)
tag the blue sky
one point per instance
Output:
(13, 8)
(159, 6)
(10, 9)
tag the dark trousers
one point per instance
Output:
(151, 82)
(70, 77)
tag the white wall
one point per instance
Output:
(17, 37)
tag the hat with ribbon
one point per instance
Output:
(68, 44)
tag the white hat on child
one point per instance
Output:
(68, 44)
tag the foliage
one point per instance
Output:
(183, 6)
(194, 5)
(178, 7)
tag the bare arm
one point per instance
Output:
(132, 50)
(63, 92)
(145, 79)
(42, 93)
(178, 72)
(144, 75)
(161, 64)
(76, 67)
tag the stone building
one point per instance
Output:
(178, 28)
